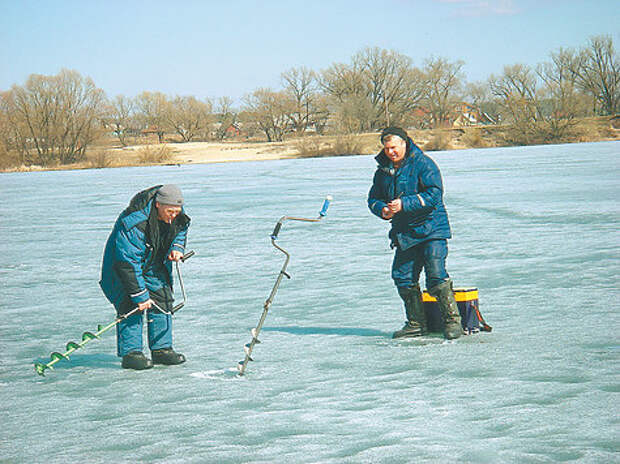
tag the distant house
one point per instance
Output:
(233, 130)
(463, 114)
(153, 131)
(468, 115)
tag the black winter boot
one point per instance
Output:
(449, 309)
(136, 360)
(167, 356)
(414, 311)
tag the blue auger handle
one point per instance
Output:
(322, 213)
(326, 203)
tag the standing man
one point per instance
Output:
(407, 190)
(137, 272)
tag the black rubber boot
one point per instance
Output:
(414, 311)
(449, 309)
(167, 356)
(137, 361)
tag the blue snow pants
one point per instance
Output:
(159, 325)
(430, 255)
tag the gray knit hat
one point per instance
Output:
(169, 194)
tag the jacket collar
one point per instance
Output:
(386, 165)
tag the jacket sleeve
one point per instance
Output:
(376, 201)
(430, 190)
(130, 253)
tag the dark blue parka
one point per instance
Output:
(129, 266)
(419, 186)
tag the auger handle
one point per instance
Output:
(188, 255)
(326, 203)
(276, 230)
(322, 213)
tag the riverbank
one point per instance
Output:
(172, 152)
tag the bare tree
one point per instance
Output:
(346, 91)
(393, 86)
(152, 112)
(12, 132)
(444, 80)
(54, 118)
(379, 87)
(120, 116)
(541, 105)
(561, 88)
(516, 91)
(300, 86)
(597, 69)
(341, 81)
(226, 116)
(354, 114)
(321, 114)
(267, 109)
(188, 116)
(5, 133)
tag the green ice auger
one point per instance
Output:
(72, 346)
(88, 336)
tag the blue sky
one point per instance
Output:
(230, 48)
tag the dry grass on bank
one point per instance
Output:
(317, 146)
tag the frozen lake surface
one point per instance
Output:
(536, 229)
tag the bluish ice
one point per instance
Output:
(536, 230)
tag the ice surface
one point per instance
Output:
(535, 229)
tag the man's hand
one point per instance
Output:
(395, 206)
(387, 213)
(175, 255)
(145, 305)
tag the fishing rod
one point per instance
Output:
(88, 336)
(248, 347)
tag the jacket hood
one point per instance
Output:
(139, 207)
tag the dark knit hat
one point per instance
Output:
(169, 194)
(393, 130)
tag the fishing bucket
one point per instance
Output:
(467, 302)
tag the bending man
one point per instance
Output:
(408, 191)
(137, 272)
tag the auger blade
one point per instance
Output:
(58, 356)
(254, 333)
(72, 346)
(40, 368)
(88, 336)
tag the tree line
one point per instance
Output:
(54, 119)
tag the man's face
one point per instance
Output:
(395, 150)
(167, 213)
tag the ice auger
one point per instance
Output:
(88, 336)
(274, 235)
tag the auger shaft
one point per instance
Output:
(88, 336)
(73, 346)
(249, 347)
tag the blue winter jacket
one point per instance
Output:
(129, 266)
(418, 184)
